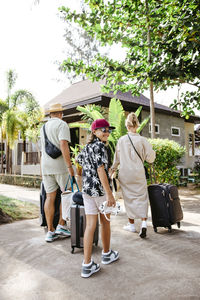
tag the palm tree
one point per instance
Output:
(3, 108)
(11, 118)
(10, 126)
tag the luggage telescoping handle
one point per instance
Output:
(152, 175)
(114, 184)
(72, 182)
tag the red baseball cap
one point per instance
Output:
(100, 123)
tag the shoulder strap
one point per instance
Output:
(45, 135)
(135, 148)
(72, 182)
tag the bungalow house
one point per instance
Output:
(169, 123)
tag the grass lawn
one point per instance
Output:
(18, 210)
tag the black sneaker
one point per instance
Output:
(87, 271)
(109, 258)
(143, 232)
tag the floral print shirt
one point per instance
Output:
(93, 156)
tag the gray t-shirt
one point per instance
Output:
(56, 130)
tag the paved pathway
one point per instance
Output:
(163, 267)
(20, 193)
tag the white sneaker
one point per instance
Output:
(51, 236)
(110, 257)
(62, 231)
(87, 271)
(129, 227)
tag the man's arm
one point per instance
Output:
(64, 147)
(104, 181)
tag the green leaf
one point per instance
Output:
(92, 114)
(138, 111)
(143, 124)
(79, 125)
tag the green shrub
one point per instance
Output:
(168, 154)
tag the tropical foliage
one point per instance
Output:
(15, 114)
(115, 116)
(161, 41)
(168, 155)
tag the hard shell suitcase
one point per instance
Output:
(165, 206)
(78, 224)
(57, 206)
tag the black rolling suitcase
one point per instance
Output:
(165, 206)
(78, 224)
(57, 207)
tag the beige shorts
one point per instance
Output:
(92, 204)
(53, 181)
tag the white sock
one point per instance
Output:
(52, 232)
(144, 224)
(60, 226)
(106, 253)
(86, 265)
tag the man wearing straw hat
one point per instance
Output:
(55, 171)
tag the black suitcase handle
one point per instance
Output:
(81, 226)
(77, 226)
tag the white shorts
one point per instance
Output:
(92, 204)
(53, 181)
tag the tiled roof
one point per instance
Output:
(84, 91)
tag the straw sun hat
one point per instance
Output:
(55, 108)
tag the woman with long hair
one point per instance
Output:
(96, 189)
(131, 152)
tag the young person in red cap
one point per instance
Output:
(96, 189)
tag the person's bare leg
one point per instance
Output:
(61, 221)
(108, 255)
(49, 208)
(91, 222)
(105, 233)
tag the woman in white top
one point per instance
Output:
(132, 174)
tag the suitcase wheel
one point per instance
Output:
(170, 229)
(72, 251)
(178, 224)
(155, 229)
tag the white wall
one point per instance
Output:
(30, 169)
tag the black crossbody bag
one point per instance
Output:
(145, 168)
(50, 148)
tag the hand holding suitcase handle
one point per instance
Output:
(72, 182)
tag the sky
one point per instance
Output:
(31, 39)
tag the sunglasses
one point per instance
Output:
(104, 130)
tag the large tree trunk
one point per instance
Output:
(152, 109)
